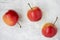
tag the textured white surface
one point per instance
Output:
(29, 30)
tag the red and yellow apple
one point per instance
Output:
(10, 17)
(49, 30)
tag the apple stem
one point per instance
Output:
(19, 24)
(55, 20)
(29, 5)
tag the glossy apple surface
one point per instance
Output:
(49, 30)
(34, 14)
(10, 17)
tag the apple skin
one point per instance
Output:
(49, 30)
(34, 14)
(11, 17)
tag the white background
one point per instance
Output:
(30, 30)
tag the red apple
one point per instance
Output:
(11, 17)
(34, 14)
(49, 30)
